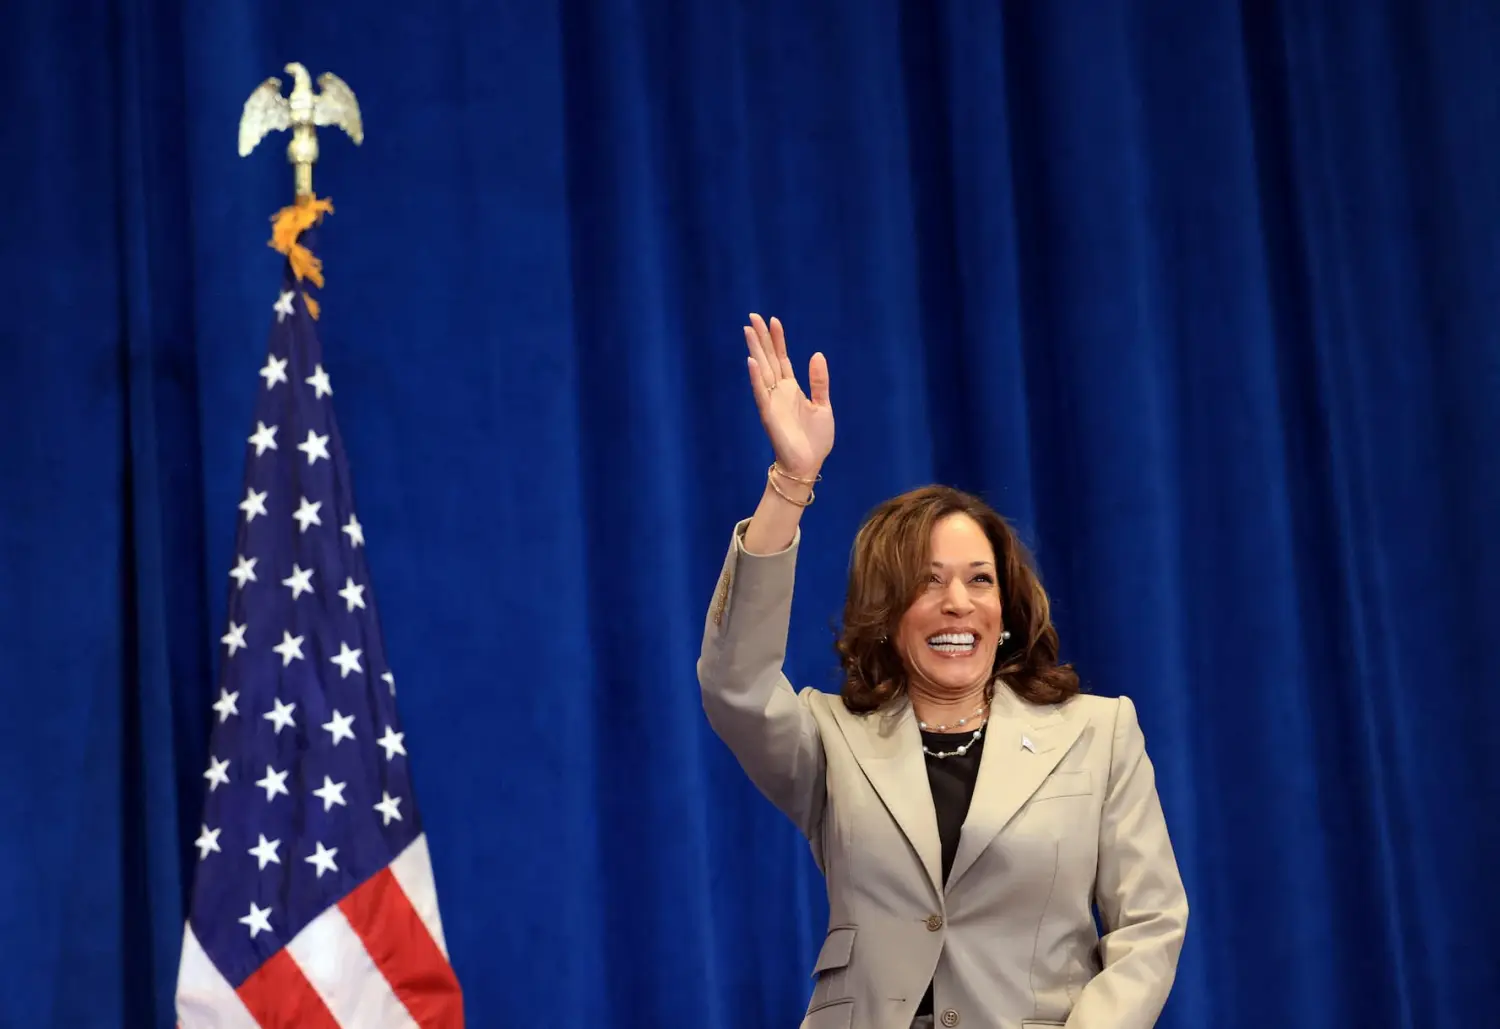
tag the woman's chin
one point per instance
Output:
(954, 675)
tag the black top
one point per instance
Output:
(952, 781)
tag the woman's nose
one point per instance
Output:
(956, 598)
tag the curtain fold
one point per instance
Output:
(163, 629)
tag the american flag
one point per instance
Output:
(313, 899)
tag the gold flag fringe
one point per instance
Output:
(287, 227)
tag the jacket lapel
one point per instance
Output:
(888, 747)
(1022, 744)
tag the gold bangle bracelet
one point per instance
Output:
(778, 470)
(771, 481)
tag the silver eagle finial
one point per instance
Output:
(267, 111)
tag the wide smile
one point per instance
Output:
(959, 644)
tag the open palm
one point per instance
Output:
(799, 424)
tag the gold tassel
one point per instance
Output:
(287, 227)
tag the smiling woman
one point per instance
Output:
(968, 806)
(944, 599)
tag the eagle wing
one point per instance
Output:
(336, 106)
(266, 110)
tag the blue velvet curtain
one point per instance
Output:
(1205, 295)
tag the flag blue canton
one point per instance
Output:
(309, 793)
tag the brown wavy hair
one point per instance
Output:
(887, 571)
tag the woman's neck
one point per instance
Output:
(934, 707)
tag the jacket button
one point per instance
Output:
(950, 1018)
(934, 923)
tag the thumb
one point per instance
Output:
(817, 380)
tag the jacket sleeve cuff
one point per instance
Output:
(761, 580)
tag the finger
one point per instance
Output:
(778, 340)
(817, 380)
(763, 335)
(763, 365)
(757, 385)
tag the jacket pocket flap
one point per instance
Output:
(1064, 784)
(836, 949)
(838, 1014)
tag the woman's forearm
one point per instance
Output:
(774, 524)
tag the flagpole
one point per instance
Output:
(300, 112)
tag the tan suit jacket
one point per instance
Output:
(1065, 812)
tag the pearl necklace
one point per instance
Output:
(959, 751)
(981, 709)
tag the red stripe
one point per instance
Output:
(406, 954)
(280, 997)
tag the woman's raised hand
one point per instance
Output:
(800, 425)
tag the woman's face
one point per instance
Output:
(948, 636)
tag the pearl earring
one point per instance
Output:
(1004, 635)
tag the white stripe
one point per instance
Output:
(205, 1000)
(344, 975)
(413, 870)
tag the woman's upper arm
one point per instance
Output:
(1139, 893)
(1138, 874)
(746, 697)
(1139, 882)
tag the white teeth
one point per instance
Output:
(951, 639)
(952, 642)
